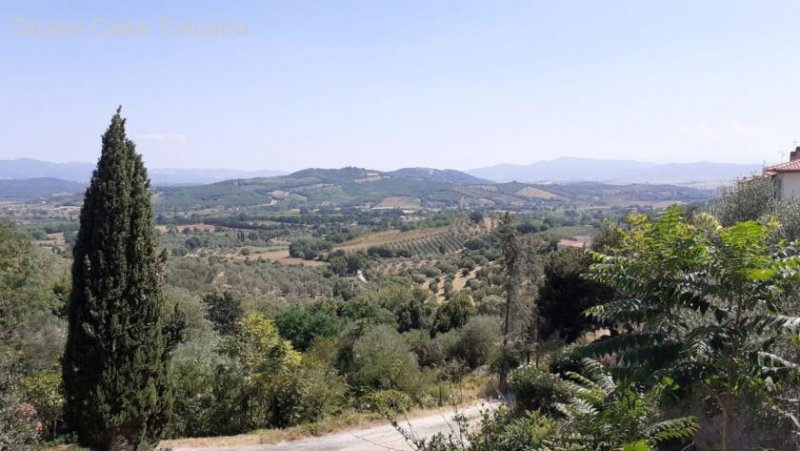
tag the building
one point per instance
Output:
(787, 176)
(579, 242)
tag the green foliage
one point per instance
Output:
(270, 366)
(382, 360)
(31, 337)
(412, 306)
(308, 249)
(534, 389)
(387, 402)
(208, 388)
(115, 362)
(476, 343)
(345, 264)
(608, 416)
(702, 305)
(26, 302)
(747, 200)
(565, 294)
(224, 310)
(454, 313)
(19, 425)
(365, 311)
(250, 280)
(302, 325)
(43, 390)
(429, 352)
(594, 414)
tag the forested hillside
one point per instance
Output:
(355, 187)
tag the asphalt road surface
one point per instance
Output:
(382, 437)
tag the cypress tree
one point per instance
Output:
(115, 361)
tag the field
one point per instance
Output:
(418, 242)
(567, 231)
(280, 256)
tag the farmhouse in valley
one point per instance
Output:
(580, 242)
(787, 176)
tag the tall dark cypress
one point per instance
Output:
(114, 367)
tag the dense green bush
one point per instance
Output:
(476, 343)
(563, 362)
(302, 325)
(534, 389)
(566, 294)
(308, 249)
(224, 310)
(382, 360)
(387, 402)
(454, 313)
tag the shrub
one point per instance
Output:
(429, 352)
(18, 430)
(43, 390)
(224, 310)
(476, 342)
(432, 271)
(302, 325)
(382, 360)
(454, 314)
(380, 251)
(387, 402)
(535, 389)
(564, 362)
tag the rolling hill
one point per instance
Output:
(34, 189)
(406, 188)
(364, 188)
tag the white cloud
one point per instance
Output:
(168, 137)
(724, 131)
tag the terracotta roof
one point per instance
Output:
(572, 243)
(791, 166)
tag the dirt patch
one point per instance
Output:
(460, 282)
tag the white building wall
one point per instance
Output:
(790, 185)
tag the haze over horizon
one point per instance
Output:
(467, 170)
(457, 85)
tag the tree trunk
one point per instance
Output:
(725, 427)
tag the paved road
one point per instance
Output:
(383, 437)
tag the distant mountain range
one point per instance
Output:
(357, 187)
(27, 168)
(405, 189)
(569, 169)
(38, 188)
(566, 169)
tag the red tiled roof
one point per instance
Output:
(791, 166)
(572, 243)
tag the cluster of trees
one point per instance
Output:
(32, 291)
(703, 348)
(244, 369)
(309, 249)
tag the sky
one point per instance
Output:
(387, 84)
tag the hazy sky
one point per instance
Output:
(387, 84)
